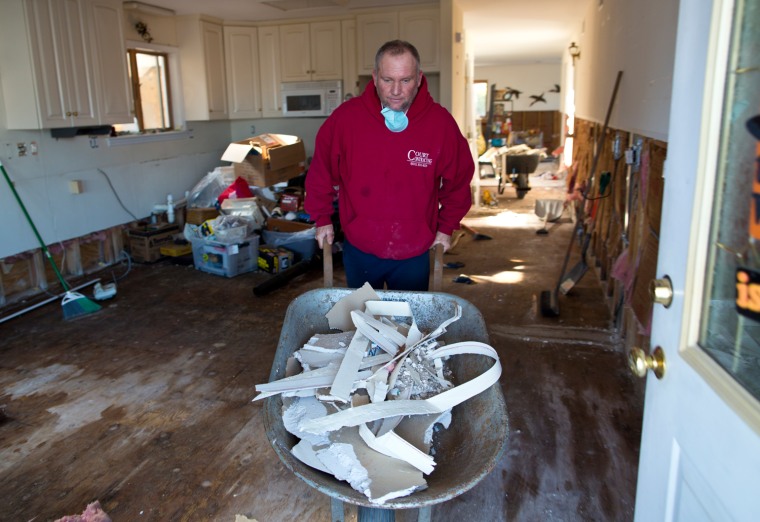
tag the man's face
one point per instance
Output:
(397, 81)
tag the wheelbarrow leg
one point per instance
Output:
(370, 514)
(424, 514)
(336, 509)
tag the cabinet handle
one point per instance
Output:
(76, 113)
(68, 114)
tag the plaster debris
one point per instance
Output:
(367, 401)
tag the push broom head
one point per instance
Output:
(75, 305)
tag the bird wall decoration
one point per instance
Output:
(510, 93)
(555, 88)
(536, 99)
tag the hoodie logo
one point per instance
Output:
(419, 159)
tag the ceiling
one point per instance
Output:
(499, 31)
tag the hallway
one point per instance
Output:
(145, 405)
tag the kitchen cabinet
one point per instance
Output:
(69, 74)
(269, 63)
(204, 85)
(421, 27)
(372, 31)
(311, 51)
(241, 53)
(114, 94)
(350, 73)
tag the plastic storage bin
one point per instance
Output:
(228, 260)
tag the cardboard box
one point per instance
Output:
(146, 240)
(197, 216)
(176, 249)
(286, 225)
(228, 260)
(274, 259)
(266, 159)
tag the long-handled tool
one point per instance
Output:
(477, 236)
(549, 300)
(74, 304)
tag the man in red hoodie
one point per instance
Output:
(401, 170)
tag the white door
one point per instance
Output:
(700, 452)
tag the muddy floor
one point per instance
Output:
(145, 406)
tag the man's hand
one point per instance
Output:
(441, 239)
(325, 232)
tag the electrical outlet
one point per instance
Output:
(21, 149)
(33, 149)
(76, 186)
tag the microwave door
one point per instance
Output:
(303, 103)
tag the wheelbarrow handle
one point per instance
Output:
(327, 266)
(327, 263)
(437, 267)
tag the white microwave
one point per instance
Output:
(303, 99)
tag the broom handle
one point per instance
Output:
(34, 228)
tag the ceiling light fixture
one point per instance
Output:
(575, 51)
(148, 9)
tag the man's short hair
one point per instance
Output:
(395, 48)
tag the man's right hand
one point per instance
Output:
(323, 233)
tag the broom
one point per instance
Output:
(74, 304)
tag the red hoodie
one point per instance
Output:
(396, 189)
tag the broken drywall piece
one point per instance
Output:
(377, 333)
(349, 368)
(436, 404)
(418, 429)
(305, 452)
(392, 445)
(395, 309)
(296, 410)
(379, 477)
(339, 316)
(243, 518)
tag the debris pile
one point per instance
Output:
(365, 402)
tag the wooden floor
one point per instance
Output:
(146, 405)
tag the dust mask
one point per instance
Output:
(396, 121)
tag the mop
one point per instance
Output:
(74, 304)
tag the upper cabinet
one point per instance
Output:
(269, 61)
(74, 71)
(241, 53)
(201, 43)
(311, 51)
(421, 27)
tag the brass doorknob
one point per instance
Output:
(661, 291)
(639, 362)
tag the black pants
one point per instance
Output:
(406, 274)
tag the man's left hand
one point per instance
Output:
(442, 239)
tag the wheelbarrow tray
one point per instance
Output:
(465, 452)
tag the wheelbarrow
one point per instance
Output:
(465, 452)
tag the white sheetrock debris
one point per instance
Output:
(294, 413)
(418, 429)
(379, 477)
(436, 404)
(394, 446)
(349, 368)
(339, 317)
(304, 452)
(407, 394)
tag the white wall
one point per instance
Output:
(528, 78)
(639, 39)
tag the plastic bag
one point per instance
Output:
(206, 192)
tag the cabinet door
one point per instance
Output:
(421, 27)
(269, 61)
(241, 53)
(110, 63)
(295, 60)
(350, 75)
(213, 47)
(62, 77)
(326, 58)
(74, 68)
(373, 30)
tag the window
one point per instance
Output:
(480, 88)
(151, 88)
